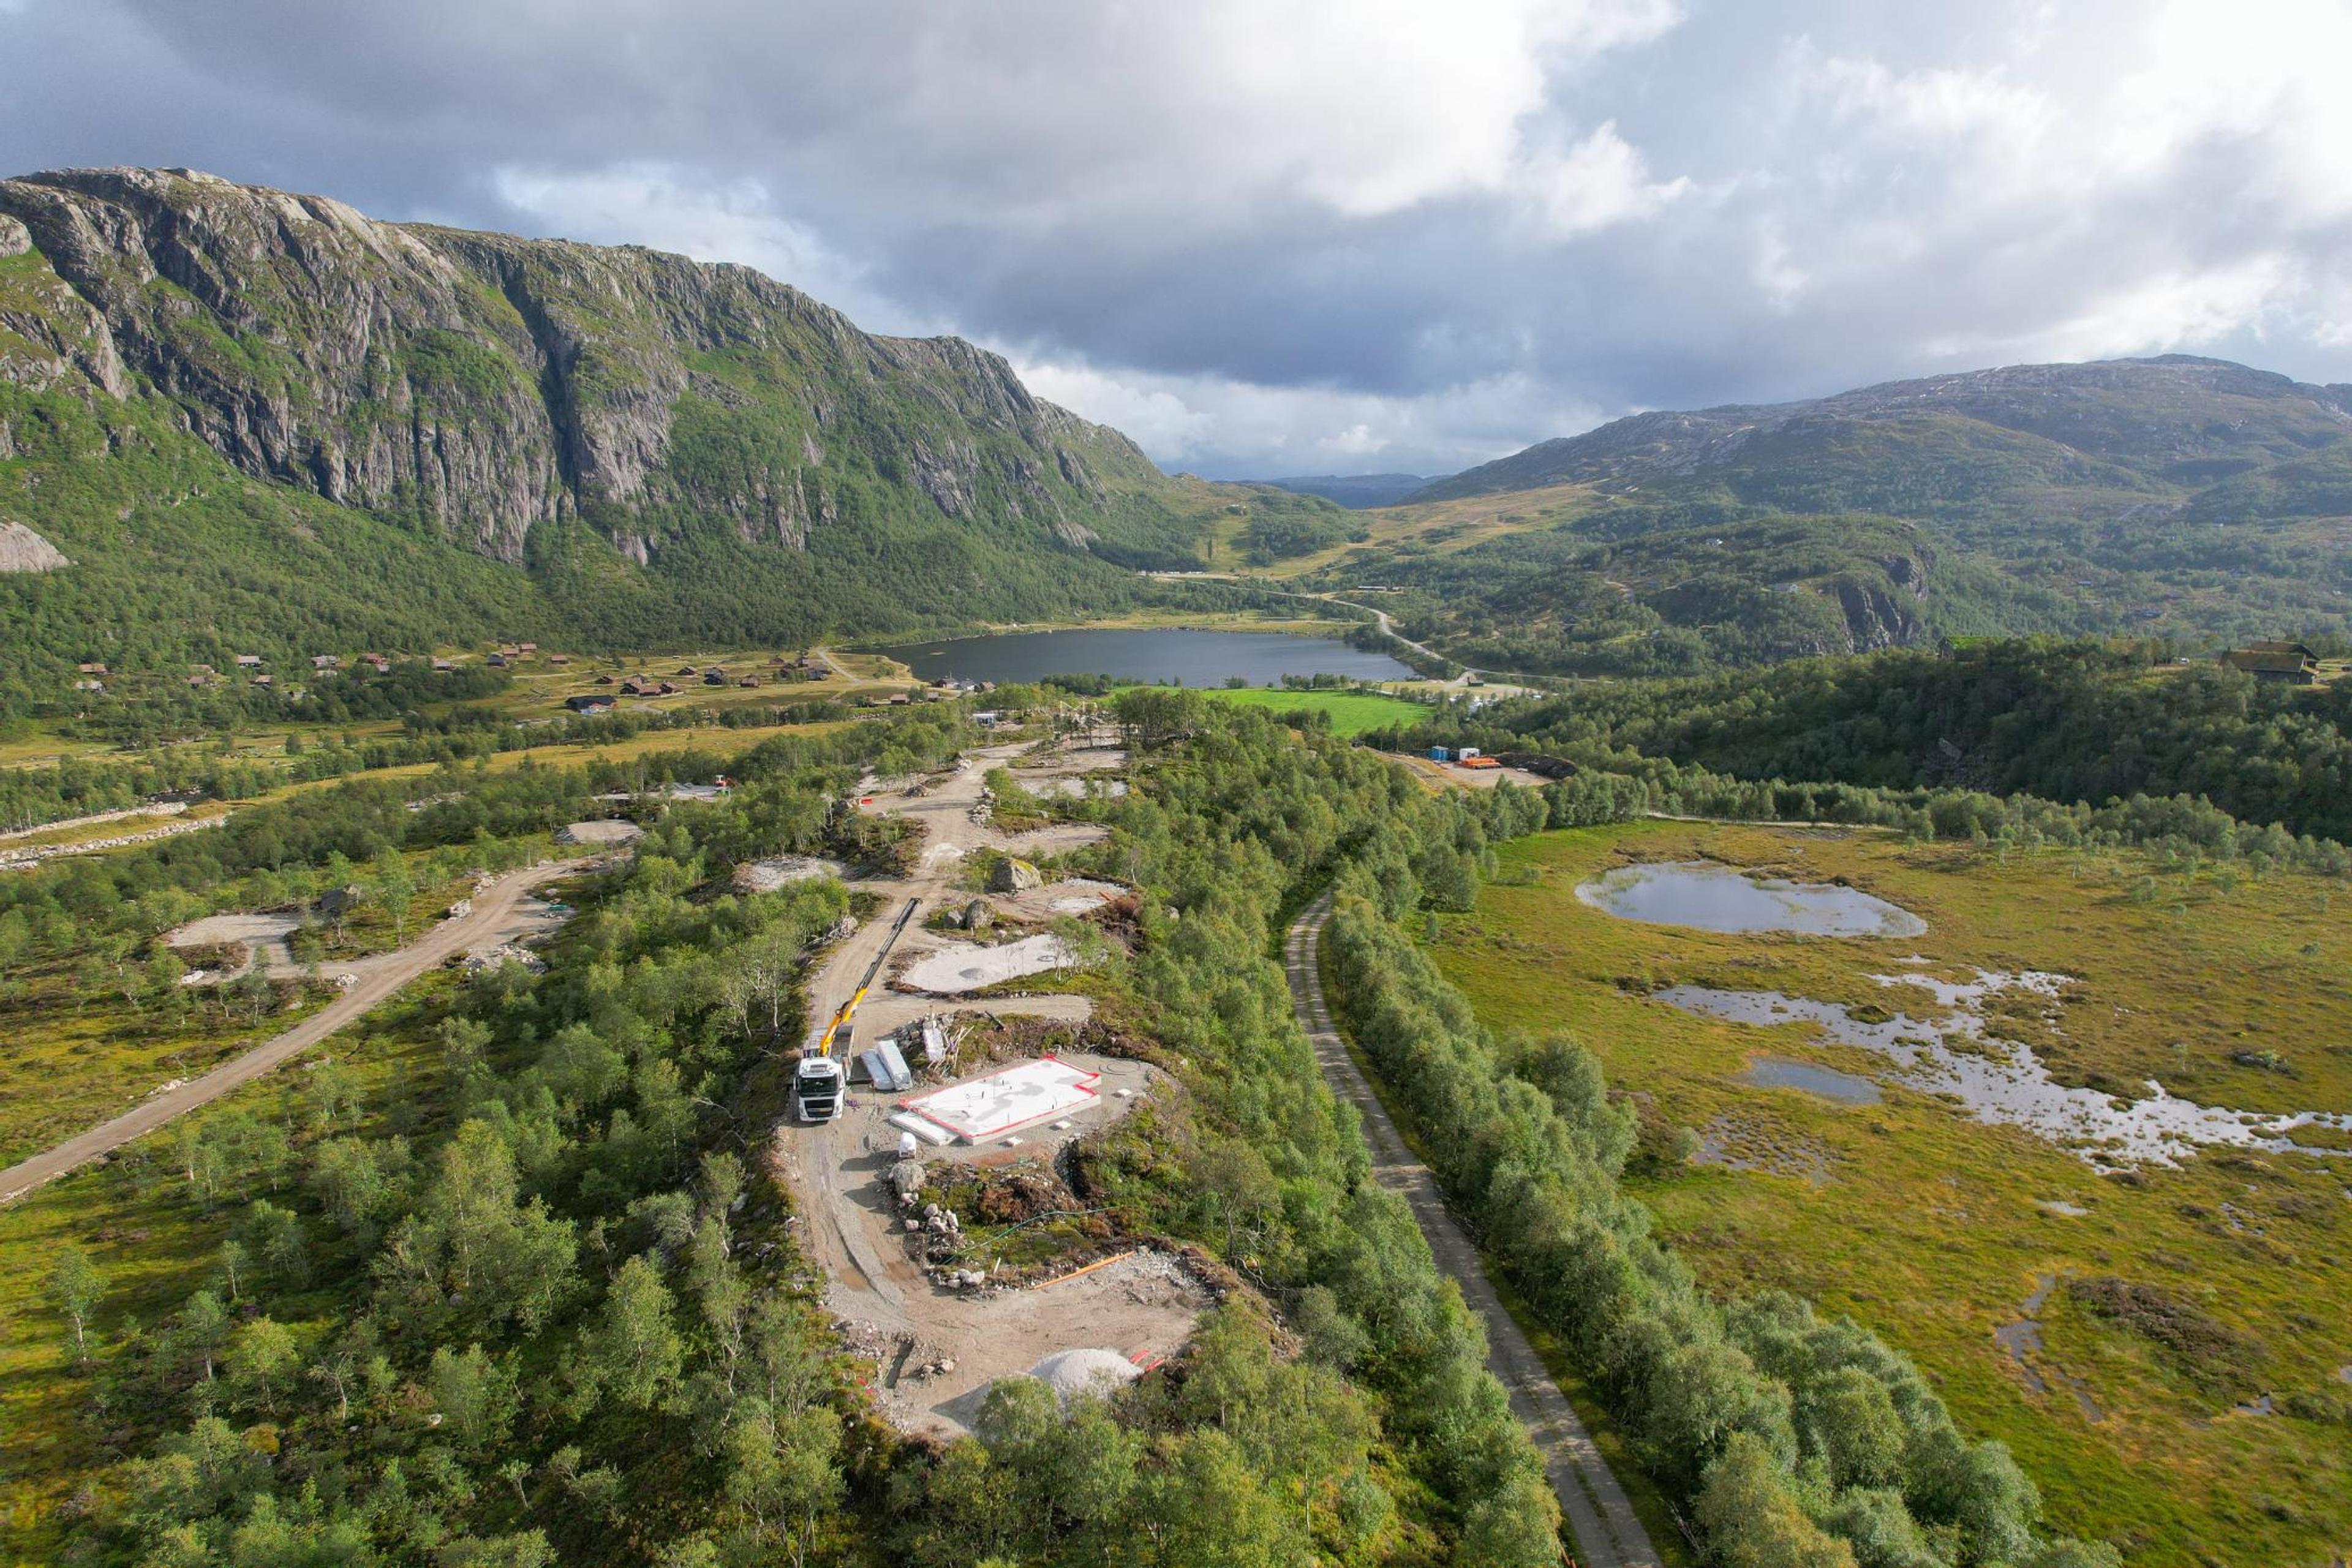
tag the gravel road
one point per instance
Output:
(1607, 1531)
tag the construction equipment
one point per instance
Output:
(818, 1080)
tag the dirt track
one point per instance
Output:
(1607, 1534)
(497, 916)
(873, 1283)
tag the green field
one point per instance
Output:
(1352, 712)
(1931, 1227)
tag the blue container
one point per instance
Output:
(1440, 754)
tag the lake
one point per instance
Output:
(1191, 658)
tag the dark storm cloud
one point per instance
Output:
(1283, 236)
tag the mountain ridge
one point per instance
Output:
(494, 382)
(1357, 492)
(1680, 443)
(2177, 497)
(238, 419)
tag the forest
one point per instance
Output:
(2091, 722)
(542, 1303)
(539, 1304)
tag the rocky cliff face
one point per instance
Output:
(486, 385)
(1883, 614)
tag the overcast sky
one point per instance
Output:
(1269, 237)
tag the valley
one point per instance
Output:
(1762, 985)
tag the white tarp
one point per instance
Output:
(885, 1068)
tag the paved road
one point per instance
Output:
(1607, 1531)
(492, 919)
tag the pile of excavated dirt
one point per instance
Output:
(1085, 1373)
(603, 832)
(1140, 1309)
(768, 876)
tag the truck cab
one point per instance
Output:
(817, 1084)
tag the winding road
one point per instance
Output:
(495, 917)
(1607, 1534)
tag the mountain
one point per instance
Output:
(2157, 428)
(638, 443)
(1356, 491)
(2185, 498)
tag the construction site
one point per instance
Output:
(935, 1108)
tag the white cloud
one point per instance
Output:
(1591, 184)
(1293, 234)
(668, 208)
(1231, 428)
(2181, 310)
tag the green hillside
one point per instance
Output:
(263, 420)
(2177, 497)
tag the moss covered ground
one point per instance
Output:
(1934, 1228)
(135, 1216)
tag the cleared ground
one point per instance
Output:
(1935, 1229)
(877, 1280)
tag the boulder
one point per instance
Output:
(976, 915)
(1014, 876)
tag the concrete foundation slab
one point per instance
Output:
(1006, 1101)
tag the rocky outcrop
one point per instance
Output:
(1876, 618)
(485, 385)
(22, 549)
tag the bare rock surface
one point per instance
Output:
(22, 549)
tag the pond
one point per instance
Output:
(1188, 658)
(1716, 898)
(1779, 1072)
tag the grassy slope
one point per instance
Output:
(1929, 1227)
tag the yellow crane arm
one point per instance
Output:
(836, 1030)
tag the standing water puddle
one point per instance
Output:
(2002, 1082)
(1779, 1072)
(1717, 898)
